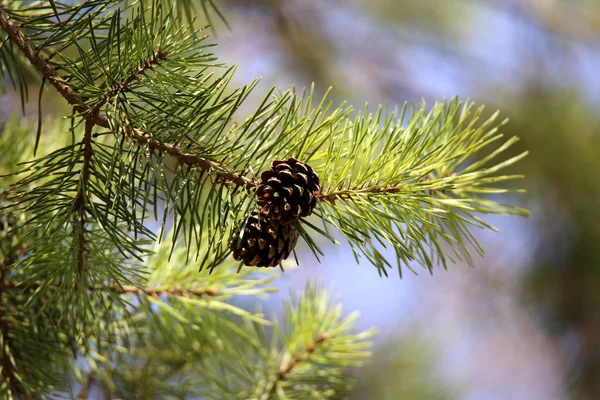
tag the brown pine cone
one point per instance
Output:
(288, 190)
(264, 243)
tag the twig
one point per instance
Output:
(125, 289)
(225, 175)
(80, 199)
(134, 74)
(8, 373)
(298, 358)
(332, 197)
(208, 292)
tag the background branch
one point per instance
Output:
(126, 289)
(285, 370)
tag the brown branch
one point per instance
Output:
(224, 175)
(346, 194)
(298, 358)
(145, 65)
(126, 289)
(208, 292)
(49, 72)
(80, 198)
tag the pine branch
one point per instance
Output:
(208, 292)
(298, 358)
(368, 189)
(418, 186)
(81, 197)
(126, 289)
(90, 200)
(348, 194)
(134, 75)
(224, 175)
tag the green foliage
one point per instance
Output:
(410, 186)
(168, 350)
(416, 188)
(161, 328)
(152, 157)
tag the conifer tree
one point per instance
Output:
(130, 228)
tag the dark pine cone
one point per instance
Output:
(264, 243)
(288, 191)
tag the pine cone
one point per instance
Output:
(288, 190)
(264, 243)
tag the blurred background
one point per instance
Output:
(525, 322)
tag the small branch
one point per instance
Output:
(350, 193)
(298, 358)
(126, 289)
(80, 199)
(224, 175)
(122, 86)
(344, 195)
(208, 292)
(85, 388)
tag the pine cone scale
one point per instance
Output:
(264, 243)
(288, 191)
